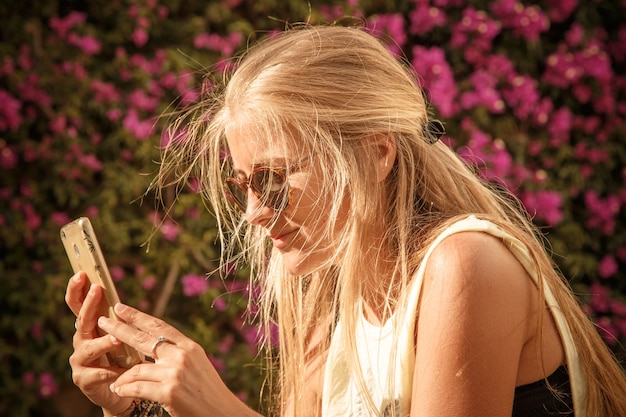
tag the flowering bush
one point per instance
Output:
(534, 94)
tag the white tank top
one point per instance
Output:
(378, 347)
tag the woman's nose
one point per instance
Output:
(256, 211)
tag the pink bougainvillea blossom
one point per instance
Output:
(141, 100)
(140, 129)
(437, 78)
(559, 127)
(88, 44)
(194, 285)
(30, 91)
(139, 37)
(560, 10)
(104, 92)
(47, 385)
(148, 283)
(474, 34)
(10, 117)
(484, 93)
(603, 211)
(59, 218)
(544, 205)
(117, 273)
(62, 26)
(391, 25)
(528, 22)
(424, 18)
(607, 266)
(214, 42)
(169, 230)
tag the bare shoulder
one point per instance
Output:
(472, 325)
(475, 282)
(477, 259)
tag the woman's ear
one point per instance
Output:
(386, 150)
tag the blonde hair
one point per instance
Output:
(336, 90)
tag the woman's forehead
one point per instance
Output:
(248, 147)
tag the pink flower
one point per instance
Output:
(169, 230)
(391, 25)
(47, 385)
(28, 378)
(607, 267)
(117, 273)
(599, 301)
(30, 91)
(226, 344)
(140, 129)
(104, 92)
(10, 117)
(560, 126)
(91, 162)
(59, 218)
(560, 10)
(8, 157)
(139, 37)
(88, 44)
(602, 212)
(544, 205)
(424, 18)
(437, 78)
(142, 101)
(148, 283)
(525, 21)
(194, 285)
(474, 34)
(63, 25)
(521, 95)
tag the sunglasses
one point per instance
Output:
(269, 185)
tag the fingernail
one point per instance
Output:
(77, 278)
(92, 289)
(102, 321)
(115, 340)
(112, 387)
(119, 307)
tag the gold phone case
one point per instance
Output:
(84, 253)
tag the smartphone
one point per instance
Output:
(84, 253)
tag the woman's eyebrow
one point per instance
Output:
(273, 162)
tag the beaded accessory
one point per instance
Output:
(145, 408)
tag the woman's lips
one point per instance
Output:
(281, 239)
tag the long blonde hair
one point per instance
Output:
(336, 89)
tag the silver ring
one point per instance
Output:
(160, 339)
(76, 327)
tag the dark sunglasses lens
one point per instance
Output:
(236, 194)
(271, 187)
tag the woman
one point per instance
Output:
(401, 283)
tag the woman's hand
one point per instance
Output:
(181, 379)
(90, 370)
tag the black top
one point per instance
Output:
(538, 400)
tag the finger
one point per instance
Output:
(147, 381)
(75, 293)
(141, 331)
(149, 324)
(90, 352)
(90, 379)
(93, 307)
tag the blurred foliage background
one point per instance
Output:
(534, 93)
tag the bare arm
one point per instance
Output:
(473, 323)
